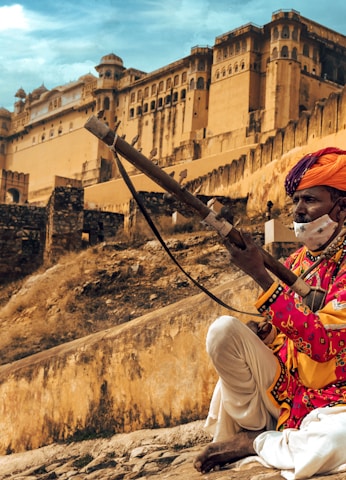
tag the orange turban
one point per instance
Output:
(325, 167)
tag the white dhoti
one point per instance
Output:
(247, 368)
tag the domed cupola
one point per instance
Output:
(110, 67)
(36, 94)
(20, 94)
(111, 59)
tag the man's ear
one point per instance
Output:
(342, 203)
(339, 209)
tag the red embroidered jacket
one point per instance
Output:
(311, 347)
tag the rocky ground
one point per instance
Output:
(165, 454)
(94, 290)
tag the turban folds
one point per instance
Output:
(326, 167)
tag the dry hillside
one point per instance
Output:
(103, 286)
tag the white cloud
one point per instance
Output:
(13, 18)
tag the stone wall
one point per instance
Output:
(100, 226)
(31, 235)
(161, 207)
(141, 374)
(22, 240)
(65, 221)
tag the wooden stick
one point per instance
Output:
(222, 226)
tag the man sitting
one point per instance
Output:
(281, 394)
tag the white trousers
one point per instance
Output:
(246, 369)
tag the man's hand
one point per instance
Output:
(250, 260)
(264, 330)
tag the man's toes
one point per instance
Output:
(198, 465)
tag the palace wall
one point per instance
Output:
(255, 173)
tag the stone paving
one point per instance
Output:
(165, 454)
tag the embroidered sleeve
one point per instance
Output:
(320, 335)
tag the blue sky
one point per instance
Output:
(52, 43)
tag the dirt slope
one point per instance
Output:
(104, 286)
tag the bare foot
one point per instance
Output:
(219, 453)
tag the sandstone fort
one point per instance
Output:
(252, 97)
(228, 120)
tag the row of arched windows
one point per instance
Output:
(284, 52)
(199, 85)
(158, 88)
(285, 33)
(237, 67)
(230, 50)
(51, 133)
(160, 103)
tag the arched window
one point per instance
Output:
(183, 94)
(133, 97)
(242, 65)
(106, 103)
(145, 108)
(153, 89)
(183, 77)
(201, 65)
(161, 86)
(176, 80)
(294, 53)
(152, 105)
(12, 195)
(275, 33)
(284, 52)
(217, 74)
(230, 70)
(305, 50)
(236, 68)
(200, 83)
(159, 103)
(146, 92)
(132, 112)
(168, 83)
(175, 97)
(285, 33)
(295, 34)
(192, 84)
